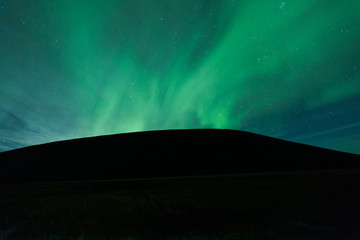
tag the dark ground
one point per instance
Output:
(288, 205)
(247, 186)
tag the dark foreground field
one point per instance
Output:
(288, 205)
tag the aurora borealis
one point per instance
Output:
(286, 69)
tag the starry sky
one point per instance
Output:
(288, 69)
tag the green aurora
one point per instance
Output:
(287, 69)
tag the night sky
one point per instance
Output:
(288, 69)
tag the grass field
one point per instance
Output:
(289, 205)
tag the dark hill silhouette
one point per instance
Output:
(165, 153)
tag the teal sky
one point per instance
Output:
(286, 69)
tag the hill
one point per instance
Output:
(165, 153)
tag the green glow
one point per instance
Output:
(123, 66)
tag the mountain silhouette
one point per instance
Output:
(163, 154)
